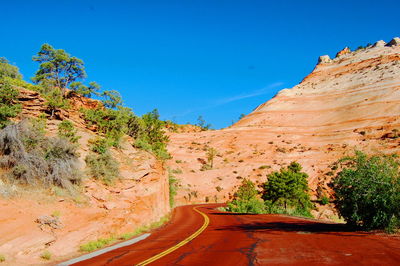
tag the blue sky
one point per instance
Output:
(187, 58)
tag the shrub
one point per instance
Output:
(8, 106)
(173, 187)
(31, 157)
(367, 191)
(99, 145)
(177, 171)
(103, 167)
(324, 200)
(246, 199)
(149, 134)
(110, 122)
(288, 189)
(2, 258)
(67, 130)
(211, 153)
(96, 244)
(46, 255)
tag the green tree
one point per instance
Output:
(8, 70)
(84, 90)
(367, 191)
(288, 188)
(111, 99)
(55, 100)
(246, 199)
(211, 153)
(8, 103)
(57, 68)
(202, 123)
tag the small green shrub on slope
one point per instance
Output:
(67, 130)
(246, 199)
(173, 187)
(102, 165)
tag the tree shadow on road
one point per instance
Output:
(301, 227)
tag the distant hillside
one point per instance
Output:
(346, 103)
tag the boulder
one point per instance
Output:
(50, 221)
(379, 44)
(324, 59)
(394, 42)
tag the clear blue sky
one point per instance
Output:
(188, 58)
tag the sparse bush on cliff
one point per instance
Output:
(367, 191)
(110, 122)
(286, 191)
(149, 134)
(102, 165)
(173, 187)
(67, 130)
(246, 199)
(32, 158)
(8, 103)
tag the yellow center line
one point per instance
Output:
(180, 244)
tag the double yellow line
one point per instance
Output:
(180, 244)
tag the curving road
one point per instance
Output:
(235, 239)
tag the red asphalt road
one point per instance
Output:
(236, 239)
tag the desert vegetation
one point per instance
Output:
(284, 192)
(33, 158)
(30, 156)
(367, 191)
(58, 78)
(173, 187)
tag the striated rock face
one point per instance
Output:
(351, 103)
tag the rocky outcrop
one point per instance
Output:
(394, 42)
(324, 59)
(345, 51)
(380, 43)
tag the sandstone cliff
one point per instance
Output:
(139, 198)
